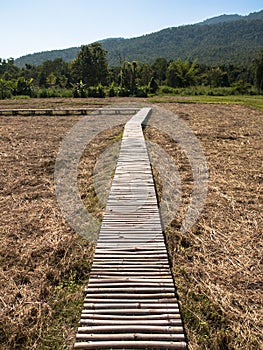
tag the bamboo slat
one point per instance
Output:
(128, 295)
(128, 279)
(131, 345)
(139, 305)
(122, 322)
(131, 336)
(131, 328)
(129, 300)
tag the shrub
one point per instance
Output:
(123, 92)
(112, 92)
(97, 91)
(52, 92)
(100, 91)
(6, 89)
(79, 90)
(141, 92)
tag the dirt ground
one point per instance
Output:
(217, 265)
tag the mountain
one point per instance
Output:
(231, 18)
(222, 18)
(37, 58)
(226, 39)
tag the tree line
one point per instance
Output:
(89, 75)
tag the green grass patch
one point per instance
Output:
(205, 319)
(66, 306)
(247, 100)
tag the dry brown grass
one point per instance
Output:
(217, 265)
(39, 252)
(86, 176)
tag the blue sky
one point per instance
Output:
(28, 26)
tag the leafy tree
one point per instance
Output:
(145, 74)
(8, 70)
(100, 64)
(182, 73)
(128, 78)
(30, 72)
(90, 65)
(114, 74)
(217, 77)
(51, 79)
(259, 72)
(233, 73)
(23, 87)
(52, 73)
(133, 66)
(241, 87)
(153, 86)
(124, 77)
(6, 89)
(160, 68)
(112, 90)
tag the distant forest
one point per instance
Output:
(223, 40)
(222, 55)
(89, 75)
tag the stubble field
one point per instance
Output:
(217, 265)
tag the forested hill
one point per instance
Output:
(227, 39)
(231, 18)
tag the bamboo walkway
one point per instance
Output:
(130, 300)
(64, 111)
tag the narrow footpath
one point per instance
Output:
(130, 300)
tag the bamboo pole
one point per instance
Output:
(130, 345)
(131, 328)
(130, 295)
(131, 305)
(120, 279)
(123, 322)
(130, 336)
(127, 317)
(132, 311)
(131, 300)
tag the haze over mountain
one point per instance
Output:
(225, 39)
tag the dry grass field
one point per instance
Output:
(217, 265)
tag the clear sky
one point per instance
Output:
(28, 26)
